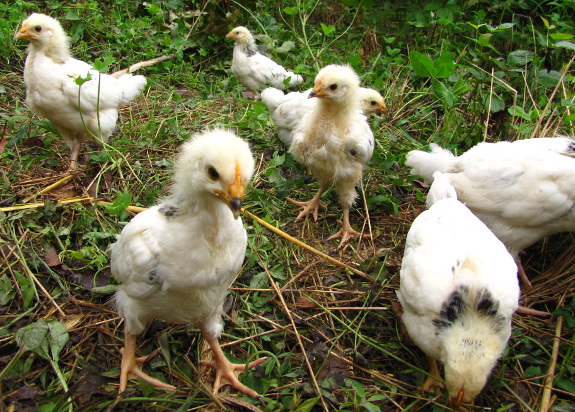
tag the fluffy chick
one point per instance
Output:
(51, 90)
(334, 141)
(458, 291)
(522, 190)
(176, 260)
(287, 110)
(253, 69)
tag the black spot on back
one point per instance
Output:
(168, 210)
(486, 303)
(250, 51)
(452, 309)
(489, 306)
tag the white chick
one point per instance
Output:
(253, 69)
(334, 141)
(458, 291)
(522, 190)
(287, 110)
(176, 260)
(51, 90)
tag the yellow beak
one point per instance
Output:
(234, 194)
(317, 92)
(24, 32)
(382, 108)
(458, 400)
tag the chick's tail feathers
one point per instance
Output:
(131, 86)
(440, 189)
(272, 97)
(425, 164)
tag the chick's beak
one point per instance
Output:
(234, 194)
(458, 400)
(230, 35)
(382, 108)
(318, 91)
(24, 32)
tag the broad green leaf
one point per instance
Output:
(442, 92)
(566, 384)
(485, 39)
(120, 204)
(72, 16)
(370, 407)
(497, 103)
(444, 65)
(356, 386)
(7, 292)
(550, 79)
(505, 26)
(532, 371)
(327, 30)
(422, 64)
(81, 80)
(291, 10)
(519, 57)
(565, 44)
(561, 36)
(103, 65)
(57, 338)
(307, 405)
(27, 288)
(519, 112)
(35, 337)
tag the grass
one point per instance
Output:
(331, 335)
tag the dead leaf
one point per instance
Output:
(28, 392)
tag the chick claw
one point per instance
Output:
(229, 371)
(312, 205)
(130, 367)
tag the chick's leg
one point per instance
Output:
(75, 148)
(226, 369)
(521, 272)
(434, 379)
(312, 205)
(346, 232)
(129, 366)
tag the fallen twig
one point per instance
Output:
(60, 182)
(139, 65)
(306, 246)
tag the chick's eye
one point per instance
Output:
(373, 103)
(38, 29)
(213, 173)
(333, 87)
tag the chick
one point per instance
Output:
(254, 70)
(176, 260)
(458, 291)
(335, 142)
(80, 113)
